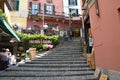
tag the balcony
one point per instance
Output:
(40, 14)
(56, 16)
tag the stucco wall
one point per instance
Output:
(58, 4)
(20, 17)
(7, 12)
(106, 31)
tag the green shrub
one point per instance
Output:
(26, 37)
(23, 55)
(3, 15)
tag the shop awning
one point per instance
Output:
(6, 28)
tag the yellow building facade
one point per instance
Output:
(19, 17)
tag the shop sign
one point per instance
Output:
(40, 41)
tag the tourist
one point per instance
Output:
(9, 55)
(69, 35)
(45, 27)
(3, 60)
(90, 44)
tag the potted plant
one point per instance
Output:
(45, 47)
(23, 55)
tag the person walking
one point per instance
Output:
(69, 34)
(90, 44)
(45, 27)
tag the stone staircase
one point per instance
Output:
(65, 62)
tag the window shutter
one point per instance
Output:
(30, 5)
(70, 12)
(68, 2)
(53, 9)
(39, 7)
(77, 12)
(76, 2)
(45, 9)
(17, 5)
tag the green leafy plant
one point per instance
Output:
(23, 55)
(3, 15)
(45, 46)
(26, 37)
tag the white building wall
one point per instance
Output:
(65, 7)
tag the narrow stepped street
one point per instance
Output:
(65, 62)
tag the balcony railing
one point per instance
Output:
(54, 15)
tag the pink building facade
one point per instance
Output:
(104, 17)
(52, 13)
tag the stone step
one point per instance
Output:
(68, 49)
(54, 65)
(65, 62)
(56, 62)
(63, 51)
(62, 55)
(48, 69)
(65, 57)
(66, 52)
(44, 74)
(72, 46)
(88, 77)
(62, 59)
(68, 59)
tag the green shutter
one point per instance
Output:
(30, 5)
(17, 5)
(45, 9)
(39, 7)
(53, 9)
(68, 2)
(76, 2)
(77, 12)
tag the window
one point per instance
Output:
(72, 2)
(16, 5)
(34, 8)
(49, 9)
(119, 13)
(73, 12)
